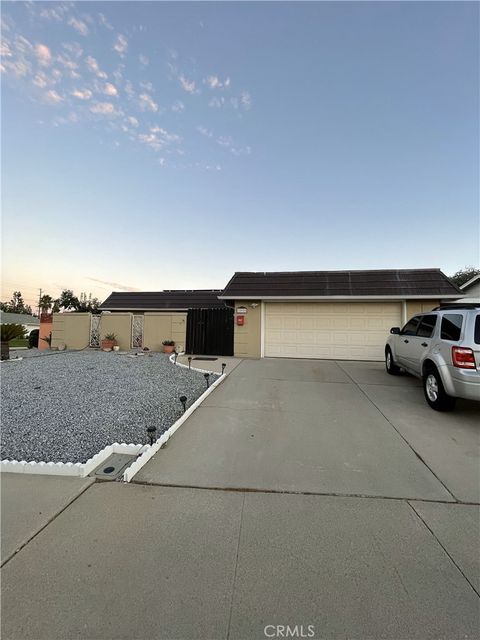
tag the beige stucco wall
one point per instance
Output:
(164, 326)
(121, 325)
(419, 306)
(71, 329)
(247, 339)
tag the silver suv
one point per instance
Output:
(442, 347)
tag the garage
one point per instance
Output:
(340, 331)
(333, 315)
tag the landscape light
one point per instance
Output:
(183, 400)
(207, 379)
(224, 364)
(189, 361)
(151, 434)
(175, 356)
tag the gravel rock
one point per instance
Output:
(67, 407)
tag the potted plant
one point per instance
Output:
(108, 342)
(168, 346)
(9, 332)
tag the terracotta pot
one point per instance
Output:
(168, 348)
(107, 345)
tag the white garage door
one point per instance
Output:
(332, 330)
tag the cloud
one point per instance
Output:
(104, 22)
(43, 55)
(53, 97)
(217, 103)
(116, 285)
(56, 13)
(178, 106)
(104, 108)
(74, 48)
(158, 138)
(79, 26)
(147, 102)
(121, 45)
(92, 64)
(214, 82)
(110, 89)
(245, 100)
(40, 81)
(143, 60)
(86, 94)
(205, 132)
(187, 85)
(133, 121)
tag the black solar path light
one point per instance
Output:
(207, 379)
(224, 364)
(189, 361)
(183, 400)
(175, 356)
(151, 431)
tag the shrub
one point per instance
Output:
(110, 336)
(11, 331)
(168, 343)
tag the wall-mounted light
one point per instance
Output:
(254, 305)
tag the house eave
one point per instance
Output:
(398, 298)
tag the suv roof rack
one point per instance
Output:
(458, 305)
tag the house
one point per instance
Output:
(343, 315)
(471, 290)
(29, 322)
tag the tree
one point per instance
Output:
(464, 275)
(69, 302)
(9, 332)
(46, 303)
(16, 305)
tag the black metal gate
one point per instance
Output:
(210, 332)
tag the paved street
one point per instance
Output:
(300, 493)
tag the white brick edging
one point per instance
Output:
(78, 469)
(151, 450)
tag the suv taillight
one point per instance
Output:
(463, 358)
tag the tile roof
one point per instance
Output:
(162, 300)
(18, 318)
(385, 282)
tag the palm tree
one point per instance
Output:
(46, 303)
(9, 332)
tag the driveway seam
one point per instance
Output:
(49, 521)
(402, 437)
(151, 483)
(419, 515)
(235, 570)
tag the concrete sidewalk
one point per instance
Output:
(299, 426)
(143, 562)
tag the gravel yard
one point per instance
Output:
(68, 406)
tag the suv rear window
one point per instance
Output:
(427, 326)
(476, 332)
(451, 326)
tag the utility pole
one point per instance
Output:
(39, 298)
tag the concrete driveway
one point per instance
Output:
(322, 496)
(324, 427)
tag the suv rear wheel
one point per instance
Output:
(390, 365)
(434, 391)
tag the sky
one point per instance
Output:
(158, 145)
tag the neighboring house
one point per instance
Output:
(343, 315)
(28, 321)
(471, 290)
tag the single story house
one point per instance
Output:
(29, 322)
(343, 315)
(471, 289)
(305, 314)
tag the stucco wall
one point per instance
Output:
(164, 326)
(246, 339)
(419, 306)
(121, 325)
(71, 329)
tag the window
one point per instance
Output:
(451, 326)
(410, 329)
(477, 330)
(427, 326)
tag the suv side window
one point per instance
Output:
(451, 326)
(427, 326)
(410, 329)
(477, 330)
